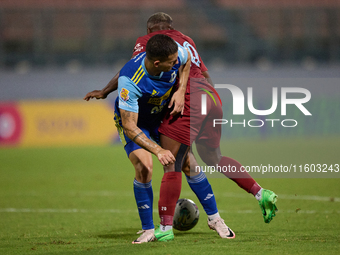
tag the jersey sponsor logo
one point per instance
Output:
(159, 100)
(138, 75)
(124, 94)
(157, 109)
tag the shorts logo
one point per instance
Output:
(124, 94)
(204, 101)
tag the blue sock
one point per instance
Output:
(202, 188)
(144, 199)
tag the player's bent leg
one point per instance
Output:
(178, 149)
(213, 157)
(267, 199)
(170, 188)
(200, 185)
(190, 167)
(142, 162)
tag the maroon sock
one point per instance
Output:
(168, 196)
(242, 179)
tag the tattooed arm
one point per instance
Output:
(129, 121)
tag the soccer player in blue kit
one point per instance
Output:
(144, 90)
(160, 23)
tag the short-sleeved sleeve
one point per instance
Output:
(182, 54)
(128, 94)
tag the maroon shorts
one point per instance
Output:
(192, 125)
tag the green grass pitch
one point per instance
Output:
(80, 201)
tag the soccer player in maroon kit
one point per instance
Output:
(180, 131)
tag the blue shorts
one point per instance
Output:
(129, 145)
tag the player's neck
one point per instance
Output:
(159, 27)
(150, 68)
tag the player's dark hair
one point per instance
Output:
(159, 17)
(160, 47)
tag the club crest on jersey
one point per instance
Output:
(173, 77)
(124, 94)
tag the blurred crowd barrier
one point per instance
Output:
(92, 32)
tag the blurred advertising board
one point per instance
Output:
(56, 123)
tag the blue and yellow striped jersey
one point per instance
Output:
(145, 94)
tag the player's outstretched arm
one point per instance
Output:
(178, 97)
(102, 94)
(129, 121)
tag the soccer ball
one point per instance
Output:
(186, 215)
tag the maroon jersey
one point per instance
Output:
(191, 126)
(197, 65)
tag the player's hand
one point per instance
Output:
(177, 101)
(165, 157)
(98, 94)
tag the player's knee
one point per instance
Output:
(212, 160)
(186, 170)
(143, 172)
(181, 157)
(209, 156)
(186, 166)
(190, 166)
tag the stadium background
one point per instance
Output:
(65, 182)
(52, 51)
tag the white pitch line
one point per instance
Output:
(280, 196)
(117, 211)
(105, 193)
(74, 210)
